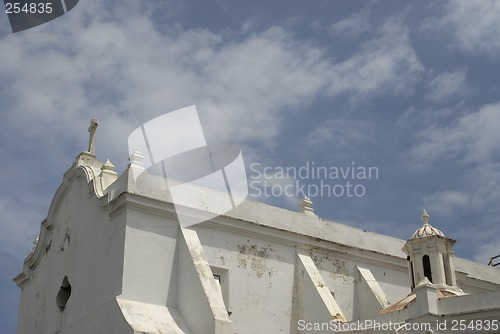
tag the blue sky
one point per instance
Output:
(411, 88)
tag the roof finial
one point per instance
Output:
(136, 165)
(92, 129)
(306, 207)
(425, 217)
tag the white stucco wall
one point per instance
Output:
(262, 264)
(149, 274)
(80, 241)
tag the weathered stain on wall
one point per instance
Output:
(257, 256)
(333, 265)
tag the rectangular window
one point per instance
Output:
(221, 277)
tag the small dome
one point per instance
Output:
(426, 230)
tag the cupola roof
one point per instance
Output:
(426, 230)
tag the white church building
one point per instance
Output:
(112, 257)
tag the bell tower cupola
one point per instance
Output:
(431, 257)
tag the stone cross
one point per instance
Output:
(92, 129)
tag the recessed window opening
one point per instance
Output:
(63, 294)
(447, 269)
(412, 276)
(221, 277)
(427, 267)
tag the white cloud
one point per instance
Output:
(412, 117)
(446, 202)
(252, 83)
(340, 134)
(475, 24)
(484, 180)
(447, 84)
(489, 249)
(17, 231)
(470, 139)
(387, 64)
(352, 26)
(129, 72)
(472, 144)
